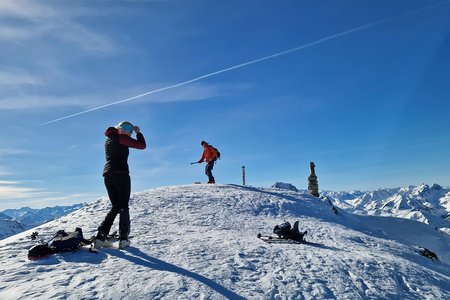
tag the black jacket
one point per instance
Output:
(117, 149)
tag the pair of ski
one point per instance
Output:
(277, 240)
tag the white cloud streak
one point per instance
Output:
(8, 33)
(195, 92)
(25, 9)
(42, 102)
(17, 77)
(58, 23)
(14, 194)
(10, 151)
(12, 190)
(4, 172)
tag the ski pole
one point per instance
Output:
(34, 237)
(192, 163)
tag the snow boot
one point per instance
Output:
(101, 244)
(124, 243)
(101, 240)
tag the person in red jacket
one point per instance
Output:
(210, 156)
(117, 180)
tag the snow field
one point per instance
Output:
(199, 242)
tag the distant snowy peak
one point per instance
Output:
(351, 195)
(284, 186)
(9, 227)
(430, 205)
(445, 203)
(4, 217)
(13, 221)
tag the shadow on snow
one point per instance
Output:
(140, 258)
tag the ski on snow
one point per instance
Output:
(276, 240)
(272, 240)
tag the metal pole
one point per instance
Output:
(243, 175)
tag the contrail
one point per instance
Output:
(322, 40)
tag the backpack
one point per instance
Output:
(218, 153)
(282, 230)
(285, 231)
(64, 241)
(61, 242)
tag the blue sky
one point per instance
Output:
(359, 87)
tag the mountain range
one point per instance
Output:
(423, 203)
(13, 221)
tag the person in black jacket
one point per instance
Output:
(117, 180)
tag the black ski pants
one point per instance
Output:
(208, 170)
(118, 186)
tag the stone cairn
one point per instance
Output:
(313, 184)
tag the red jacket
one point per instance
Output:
(209, 154)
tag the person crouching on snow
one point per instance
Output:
(117, 180)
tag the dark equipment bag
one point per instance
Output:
(61, 242)
(285, 231)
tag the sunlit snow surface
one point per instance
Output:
(199, 242)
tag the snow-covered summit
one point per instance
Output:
(199, 242)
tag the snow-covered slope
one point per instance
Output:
(199, 242)
(430, 205)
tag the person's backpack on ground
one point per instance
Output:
(285, 231)
(61, 242)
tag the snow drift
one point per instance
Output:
(199, 242)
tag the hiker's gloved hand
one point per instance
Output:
(200, 161)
